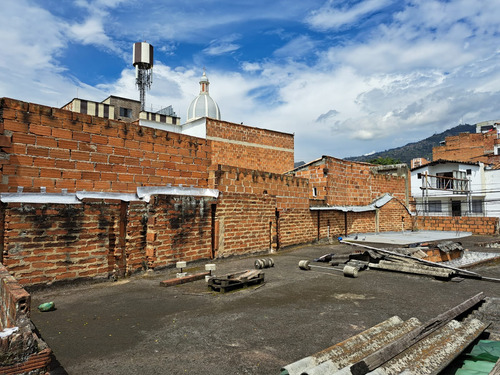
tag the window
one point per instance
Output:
(125, 112)
(477, 206)
(315, 192)
(434, 206)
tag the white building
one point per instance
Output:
(454, 188)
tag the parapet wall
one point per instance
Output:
(476, 225)
(57, 149)
(249, 147)
(466, 147)
(343, 182)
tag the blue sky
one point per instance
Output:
(346, 77)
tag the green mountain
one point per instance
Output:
(420, 149)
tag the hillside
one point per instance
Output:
(418, 149)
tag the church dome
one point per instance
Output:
(203, 105)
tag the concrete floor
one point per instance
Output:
(136, 326)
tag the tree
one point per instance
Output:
(387, 160)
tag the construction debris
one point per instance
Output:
(184, 279)
(235, 280)
(399, 261)
(395, 346)
(349, 271)
(264, 263)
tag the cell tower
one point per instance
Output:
(143, 62)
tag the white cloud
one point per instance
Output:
(297, 47)
(331, 17)
(423, 68)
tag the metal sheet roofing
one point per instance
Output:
(143, 194)
(386, 198)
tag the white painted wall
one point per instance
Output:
(492, 198)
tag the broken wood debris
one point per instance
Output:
(184, 279)
(381, 259)
(235, 280)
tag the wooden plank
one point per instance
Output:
(376, 359)
(185, 279)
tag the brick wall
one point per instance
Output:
(179, 228)
(476, 225)
(249, 147)
(342, 182)
(46, 243)
(246, 223)
(15, 302)
(290, 191)
(466, 147)
(58, 149)
(21, 351)
(393, 217)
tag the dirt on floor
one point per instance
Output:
(136, 326)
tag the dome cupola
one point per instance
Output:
(203, 105)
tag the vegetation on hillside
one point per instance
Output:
(420, 149)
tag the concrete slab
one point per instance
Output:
(136, 326)
(407, 238)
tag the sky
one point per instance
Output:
(346, 77)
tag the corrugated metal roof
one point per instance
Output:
(126, 197)
(146, 192)
(444, 161)
(379, 202)
(143, 194)
(54, 198)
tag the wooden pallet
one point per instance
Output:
(235, 280)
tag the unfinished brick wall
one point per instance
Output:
(58, 149)
(342, 182)
(476, 225)
(249, 147)
(466, 147)
(245, 223)
(44, 243)
(21, 351)
(290, 191)
(291, 218)
(179, 228)
(393, 217)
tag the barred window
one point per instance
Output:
(477, 206)
(434, 206)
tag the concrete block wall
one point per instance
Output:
(250, 147)
(59, 149)
(476, 225)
